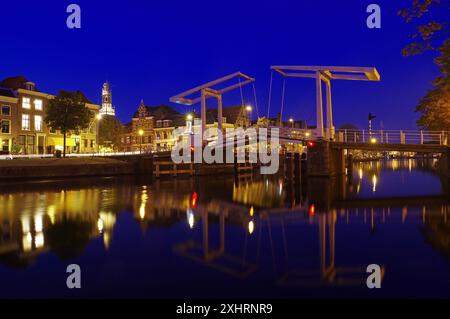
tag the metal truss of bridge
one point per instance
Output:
(212, 89)
(326, 74)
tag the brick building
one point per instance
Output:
(23, 130)
(158, 122)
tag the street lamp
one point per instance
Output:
(291, 120)
(189, 117)
(249, 110)
(141, 132)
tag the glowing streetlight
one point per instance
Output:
(249, 110)
(373, 140)
(291, 120)
(189, 117)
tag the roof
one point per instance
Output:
(163, 112)
(15, 82)
(7, 92)
(231, 113)
(128, 127)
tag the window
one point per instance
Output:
(38, 105)
(38, 123)
(25, 122)
(6, 110)
(29, 86)
(26, 103)
(52, 130)
(166, 123)
(92, 143)
(158, 123)
(5, 145)
(6, 127)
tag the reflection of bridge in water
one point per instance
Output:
(255, 221)
(256, 209)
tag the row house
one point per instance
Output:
(23, 129)
(151, 127)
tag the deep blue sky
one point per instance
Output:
(155, 49)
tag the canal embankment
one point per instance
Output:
(63, 167)
(148, 166)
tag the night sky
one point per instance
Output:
(156, 49)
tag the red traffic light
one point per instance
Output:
(312, 210)
(311, 144)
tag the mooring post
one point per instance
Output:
(297, 166)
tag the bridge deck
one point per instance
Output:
(383, 147)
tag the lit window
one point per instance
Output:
(6, 110)
(38, 123)
(25, 122)
(6, 127)
(26, 103)
(38, 105)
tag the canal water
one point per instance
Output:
(226, 237)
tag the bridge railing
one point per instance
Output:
(393, 136)
(294, 133)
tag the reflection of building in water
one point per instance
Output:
(165, 210)
(30, 220)
(261, 194)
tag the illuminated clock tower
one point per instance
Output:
(107, 107)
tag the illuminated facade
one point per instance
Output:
(23, 129)
(156, 123)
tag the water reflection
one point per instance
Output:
(289, 233)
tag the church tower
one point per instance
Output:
(107, 107)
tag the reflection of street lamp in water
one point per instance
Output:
(374, 183)
(141, 132)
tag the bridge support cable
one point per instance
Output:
(242, 93)
(283, 92)
(256, 100)
(270, 94)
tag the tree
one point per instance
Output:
(69, 237)
(432, 35)
(15, 148)
(435, 110)
(110, 130)
(67, 113)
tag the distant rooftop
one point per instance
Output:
(18, 82)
